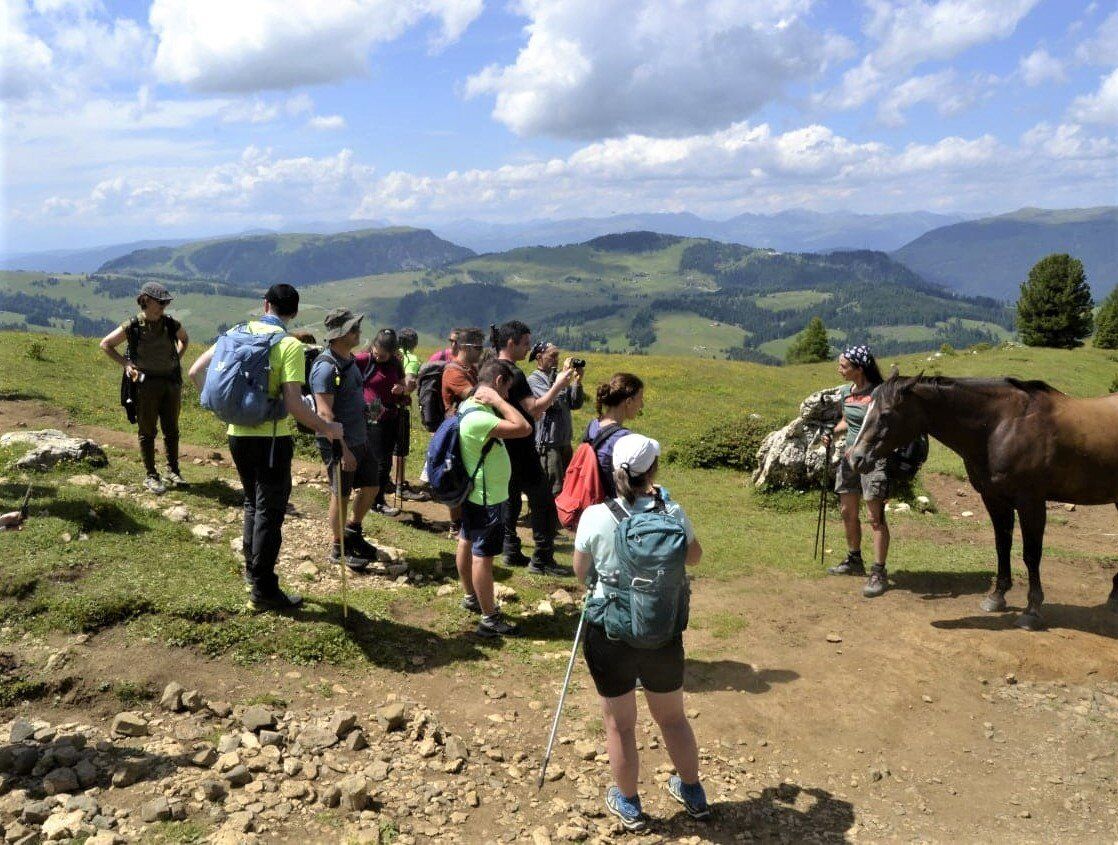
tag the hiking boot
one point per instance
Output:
(547, 566)
(414, 494)
(356, 543)
(355, 562)
(877, 583)
(279, 600)
(691, 796)
(852, 565)
(495, 625)
(628, 811)
(154, 484)
(471, 604)
(385, 509)
(516, 558)
(173, 478)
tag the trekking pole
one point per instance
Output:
(336, 461)
(819, 509)
(823, 495)
(563, 693)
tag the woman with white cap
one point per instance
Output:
(616, 666)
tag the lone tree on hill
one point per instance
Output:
(1106, 323)
(811, 345)
(1055, 305)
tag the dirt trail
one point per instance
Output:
(822, 716)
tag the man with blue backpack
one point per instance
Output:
(252, 379)
(467, 465)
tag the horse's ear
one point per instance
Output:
(894, 372)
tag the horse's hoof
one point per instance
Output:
(1030, 622)
(994, 603)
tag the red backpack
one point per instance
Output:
(582, 483)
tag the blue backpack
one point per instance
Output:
(236, 387)
(450, 482)
(647, 601)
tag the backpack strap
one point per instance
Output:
(603, 435)
(132, 335)
(617, 510)
(485, 450)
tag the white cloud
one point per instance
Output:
(1040, 66)
(911, 32)
(1068, 142)
(597, 68)
(254, 45)
(25, 60)
(945, 90)
(327, 122)
(1102, 47)
(260, 110)
(1100, 107)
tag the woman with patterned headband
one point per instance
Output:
(858, 366)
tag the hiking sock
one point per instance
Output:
(854, 554)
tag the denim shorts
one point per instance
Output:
(483, 526)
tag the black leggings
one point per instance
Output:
(266, 478)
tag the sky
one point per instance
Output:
(181, 118)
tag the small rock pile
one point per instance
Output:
(792, 457)
(50, 446)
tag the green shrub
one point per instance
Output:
(36, 351)
(1114, 386)
(732, 444)
(947, 349)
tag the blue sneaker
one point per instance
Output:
(628, 811)
(691, 796)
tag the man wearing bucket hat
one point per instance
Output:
(151, 387)
(339, 396)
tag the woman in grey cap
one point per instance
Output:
(152, 371)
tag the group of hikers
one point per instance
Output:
(511, 436)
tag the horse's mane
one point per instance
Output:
(1032, 386)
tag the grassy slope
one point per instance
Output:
(134, 563)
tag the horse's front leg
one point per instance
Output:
(1033, 516)
(1001, 515)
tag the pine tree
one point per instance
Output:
(1055, 305)
(811, 345)
(1106, 323)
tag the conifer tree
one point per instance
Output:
(1106, 323)
(1055, 305)
(811, 345)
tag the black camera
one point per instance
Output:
(578, 363)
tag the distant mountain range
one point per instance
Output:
(992, 256)
(293, 258)
(788, 231)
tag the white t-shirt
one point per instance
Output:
(597, 530)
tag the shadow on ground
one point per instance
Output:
(785, 813)
(1098, 620)
(941, 585)
(718, 675)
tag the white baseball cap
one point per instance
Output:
(635, 453)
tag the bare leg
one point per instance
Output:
(464, 561)
(667, 710)
(876, 510)
(335, 520)
(483, 583)
(848, 505)
(620, 717)
(1001, 514)
(1033, 516)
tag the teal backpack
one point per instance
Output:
(647, 601)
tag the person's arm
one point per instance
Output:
(294, 404)
(198, 368)
(583, 563)
(110, 342)
(324, 404)
(182, 340)
(512, 424)
(576, 396)
(694, 552)
(538, 405)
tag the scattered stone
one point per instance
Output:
(60, 780)
(105, 837)
(50, 446)
(258, 717)
(967, 514)
(172, 697)
(544, 608)
(342, 723)
(129, 724)
(834, 638)
(238, 776)
(318, 738)
(177, 513)
(21, 731)
(63, 826)
(503, 592)
(34, 812)
(86, 773)
(561, 598)
(446, 590)
(212, 789)
(355, 741)
(455, 749)
(354, 794)
(1011, 679)
(221, 709)
(192, 700)
(130, 771)
(156, 810)
(267, 737)
(204, 532)
(204, 758)
(392, 716)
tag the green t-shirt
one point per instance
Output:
(491, 487)
(156, 353)
(854, 409)
(288, 364)
(411, 363)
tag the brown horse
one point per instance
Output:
(1022, 442)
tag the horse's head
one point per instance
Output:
(895, 418)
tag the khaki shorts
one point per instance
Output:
(869, 485)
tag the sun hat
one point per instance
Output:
(635, 453)
(340, 322)
(156, 291)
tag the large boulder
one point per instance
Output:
(51, 446)
(792, 457)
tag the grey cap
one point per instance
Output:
(156, 291)
(340, 322)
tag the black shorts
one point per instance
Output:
(616, 666)
(363, 475)
(484, 527)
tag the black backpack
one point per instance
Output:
(906, 461)
(310, 355)
(430, 392)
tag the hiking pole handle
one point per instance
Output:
(563, 693)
